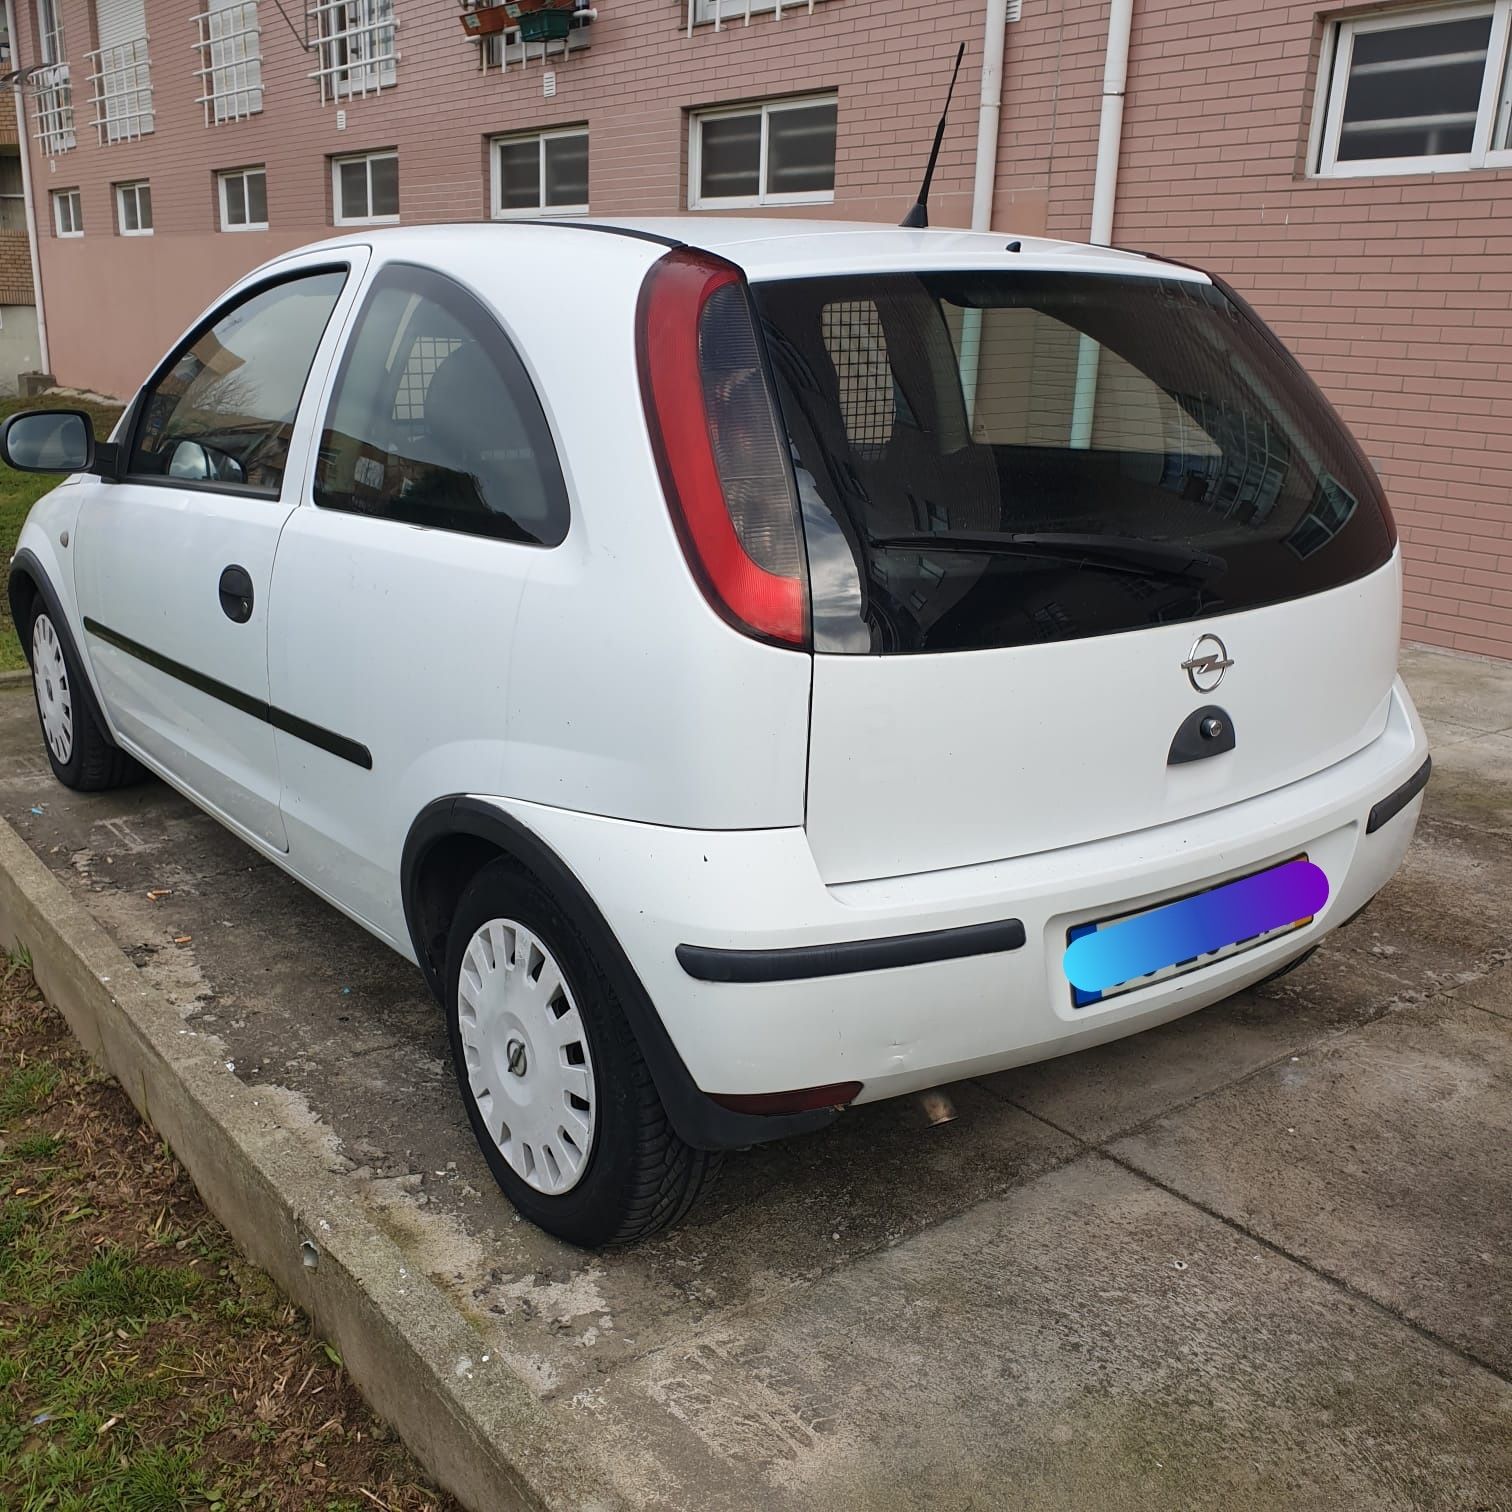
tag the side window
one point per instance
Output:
(434, 420)
(223, 410)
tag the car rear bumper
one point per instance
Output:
(903, 983)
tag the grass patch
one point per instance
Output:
(144, 1365)
(19, 491)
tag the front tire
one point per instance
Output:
(559, 1096)
(82, 755)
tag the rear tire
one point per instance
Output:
(82, 755)
(557, 1092)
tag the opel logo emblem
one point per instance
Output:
(1207, 663)
(516, 1053)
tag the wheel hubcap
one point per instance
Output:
(54, 697)
(529, 1072)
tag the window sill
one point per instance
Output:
(546, 212)
(366, 220)
(771, 202)
(254, 226)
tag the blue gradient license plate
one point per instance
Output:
(1109, 957)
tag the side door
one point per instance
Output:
(173, 564)
(435, 496)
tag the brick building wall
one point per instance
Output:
(1395, 292)
(15, 269)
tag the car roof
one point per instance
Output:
(774, 248)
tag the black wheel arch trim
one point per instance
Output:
(807, 962)
(26, 565)
(698, 1120)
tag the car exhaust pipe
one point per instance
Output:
(936, 1107)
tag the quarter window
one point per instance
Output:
(541, 171)
(68, 212)
(365, 189)
(434, 420)
(1417, 91)
(222, 409)
(134, 209)
(243, 199)
(778, 153)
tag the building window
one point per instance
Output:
(721, 12)
(12, 192)
(1416, 92)
(68, 213)
(229, 40)
(243, 196)
(365, 189)
(54, 91)
(358, 52)
(134, 209)
(539, 172)
(778, 153)
(119, 71)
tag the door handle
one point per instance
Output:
(236, 594)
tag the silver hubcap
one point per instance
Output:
(528, 1068)
(54, 698)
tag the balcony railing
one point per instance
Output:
(722, 12)
(54, 113)
(122, 91)
(229, 42)
(359, 54)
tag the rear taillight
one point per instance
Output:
(719, 445)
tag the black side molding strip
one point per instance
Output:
(804, 962)
(1393, 803)
(290, 724)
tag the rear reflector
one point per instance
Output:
(720, 446)
(809, 1100)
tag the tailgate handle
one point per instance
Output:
(1207, 731)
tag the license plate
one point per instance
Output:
(1108, 957)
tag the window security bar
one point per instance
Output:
(122, 91)
(54, 113)
(736, 9)
(358, 47)
(229, 43)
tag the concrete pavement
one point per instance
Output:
(1261, 1257)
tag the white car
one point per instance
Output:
(752, 667)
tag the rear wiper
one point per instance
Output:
(1109, 552)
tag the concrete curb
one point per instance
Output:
(475, 1426)
(14, 679)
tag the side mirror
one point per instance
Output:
(48, 441)
(194, 461)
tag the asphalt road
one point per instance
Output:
(1258, 1258)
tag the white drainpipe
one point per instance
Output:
(989, 134)
(26, 192)
(1104, 200)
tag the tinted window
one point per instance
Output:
(434, 420)
(995, 460)
(224, 410)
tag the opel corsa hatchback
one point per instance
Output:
(793, 666)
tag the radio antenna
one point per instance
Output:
(918, 214)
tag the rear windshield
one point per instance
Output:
(993, 459)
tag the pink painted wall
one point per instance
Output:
(1395, 292)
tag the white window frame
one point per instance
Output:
(495, 185)
(1494, 108)
(766, 109)
(133, 188)
(59, 196)
(225, 175)
(368, 158)
(54, 109)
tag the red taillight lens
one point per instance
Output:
(719, 444)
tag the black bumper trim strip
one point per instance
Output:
(803, 962)
(255, 708)
(1393, 803)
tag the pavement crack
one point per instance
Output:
(1312, 1268)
